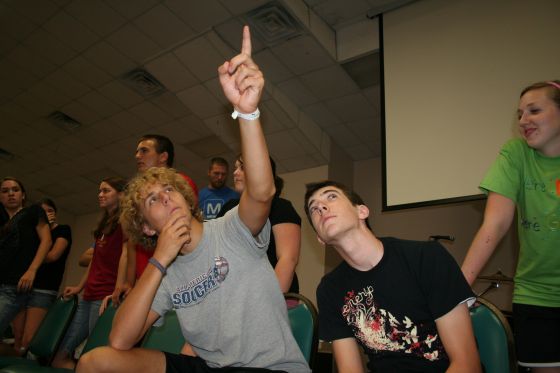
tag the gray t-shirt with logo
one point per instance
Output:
(228, 300)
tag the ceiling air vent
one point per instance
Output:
(6, 155)
(272, 23)
(66, 122)
(143, 83)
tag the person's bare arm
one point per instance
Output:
(60, 245)
(242, 83)
(347, 356)
(288, 241)
(86, 257)
(498, 216)
(134, 315)
(455, 330)
(43, 231)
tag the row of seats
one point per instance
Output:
(168, 337)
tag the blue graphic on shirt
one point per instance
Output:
(199, 287)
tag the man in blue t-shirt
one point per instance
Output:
(217, 193)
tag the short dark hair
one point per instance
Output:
(278, 181)
(311, 188)
(219, 161)
(163, 145)
(49, 202)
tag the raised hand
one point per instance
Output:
(241, 79)
(175, 234)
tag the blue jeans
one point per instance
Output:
(82, 324)
(11, 301)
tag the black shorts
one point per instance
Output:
(188, 364)
(536, 331)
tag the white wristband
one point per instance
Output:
(251, 116)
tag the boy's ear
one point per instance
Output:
(147, 230)
(320, 240)
(363, 212)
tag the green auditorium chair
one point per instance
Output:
(48, 336)
(167, 337)
(303, 321)
(494, 338)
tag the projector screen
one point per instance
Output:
(452, 74)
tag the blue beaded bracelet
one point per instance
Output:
(153, 261)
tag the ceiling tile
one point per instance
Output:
(297, 92)
(283, 145)
(242, 6)
(121, 94)
(79, 39)
(131, 8)
(312, 56)
(14, 80)
(322, 115)
(343, 136)
(150, 113)
(67, 84)
(224, 127)
(214, 86)
(164, 27)
(109, 58)
(275, 111)
(24, 57)
(46, 45)
(100, 104)
(201, 102)
(352, 107)
(133, 43)
(207, 147)
(17, 26)
(130, 124)
(181, 132)
(47, 93)
(338, 83)
(171, 105)
(81, 113)
(86, 72)
(207, 60)
(200, 15)
(31, 103)
(274, 70)
(7, 44)
(36, 11)
(171, 73)
(96, 15)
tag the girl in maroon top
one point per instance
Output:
(101, 276)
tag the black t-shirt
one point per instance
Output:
(391, 309)
(19, 242)
(281, 211)
(49, 275)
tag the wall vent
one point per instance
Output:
(64, 121)
(272, 23)
(143, 83)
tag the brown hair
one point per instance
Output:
(552, 89)
(110, 220)
(132, 219)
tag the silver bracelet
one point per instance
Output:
(153, 261)
(251, 116)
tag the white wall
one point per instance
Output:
(312, 258)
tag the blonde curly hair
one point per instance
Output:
(132, 218)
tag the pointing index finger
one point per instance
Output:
(246, 43)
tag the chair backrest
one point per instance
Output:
(99, 335)
(303, 320)
(494, 338)
(53, 327)
(167, 337)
